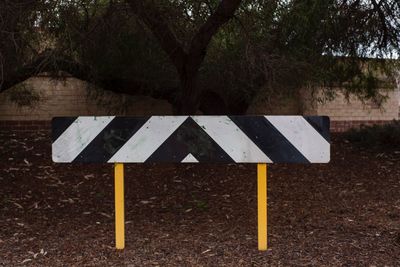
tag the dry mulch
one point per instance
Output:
(346, 213)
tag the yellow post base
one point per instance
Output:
(261, 199)
(119, 206)
(262, 205)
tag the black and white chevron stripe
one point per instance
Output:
(241, 139)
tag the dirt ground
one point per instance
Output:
(346, 213)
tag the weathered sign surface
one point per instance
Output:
(225, 139)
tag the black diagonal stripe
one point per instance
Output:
(111, 139)
(59, 125)
(321, 124)
(190, 138)
(269, 139)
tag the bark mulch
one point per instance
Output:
(346, 213)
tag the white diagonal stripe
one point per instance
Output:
(231, 139)
(303, 136)
(77, 136)
(190, 159)
(148, 138)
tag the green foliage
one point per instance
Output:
(274, 45)
(376, 137)
(281, 46)
(119, 51)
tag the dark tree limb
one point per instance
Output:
(48, 61)
(224, 12)
(382, 18)
(58, 66)
(153, 19)
(187, 62)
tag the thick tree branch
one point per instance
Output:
(382, 18)
(188, 62)
(224, 12)
(153, 19)
(190, 96)
(47, 61)
(62, 66)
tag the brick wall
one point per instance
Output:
(344, 114)
(342, 126)
(353, 113)
(72, 97)
(341, 109)
(277, 104)
(25, 125)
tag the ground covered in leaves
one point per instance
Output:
(346, 213)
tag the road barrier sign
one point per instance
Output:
(191, 139)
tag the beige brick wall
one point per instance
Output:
(283, 104)
(353, 109)
(338, 109)
(71, 97)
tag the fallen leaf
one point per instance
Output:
(205, 251)
(88, 176)
(105, 214)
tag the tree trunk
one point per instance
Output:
(189, 100)
(186, 62)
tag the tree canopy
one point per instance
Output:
(194, 53)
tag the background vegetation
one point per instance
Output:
(209, 55)
(378, 137)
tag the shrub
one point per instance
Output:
(378, 136)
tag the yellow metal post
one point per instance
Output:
(262, 205)
(119, 206)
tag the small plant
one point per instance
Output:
(378, 136)
(201, 205)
